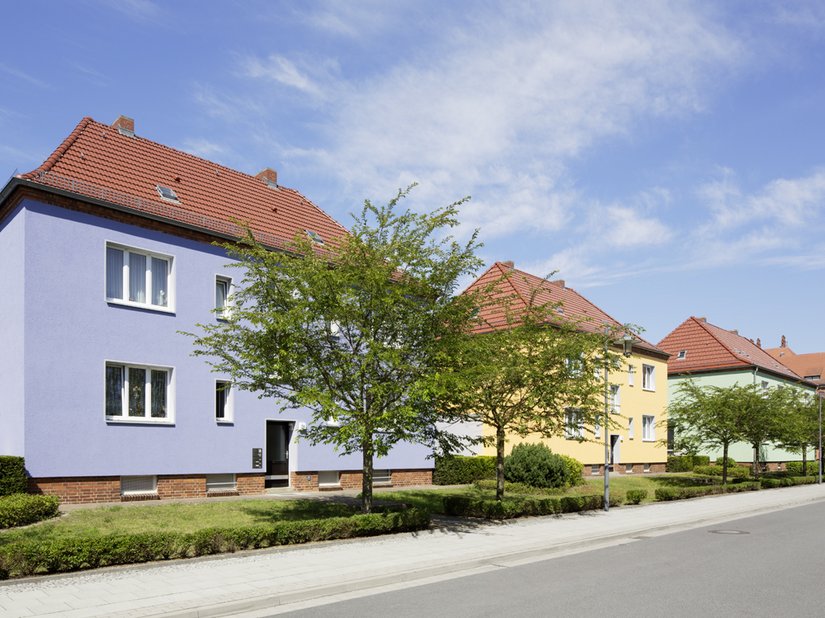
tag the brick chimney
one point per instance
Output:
(758, 343)
(559, 283)
(269, 176)
(734, 331)
(509, 264)
(784, 342)
(125, 125)
(702, 319)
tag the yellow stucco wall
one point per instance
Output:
(634, 402)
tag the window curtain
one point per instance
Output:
(114, 273)
(160, 279)
(137, 277)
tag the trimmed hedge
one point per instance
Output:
(635, 496)
(521, 506)
(12, 475)
(24, 558)
(734, 472)
(686, 463)
(794, 468)
(25, 509)
(664, 494)
(462, 470)
(787, 481)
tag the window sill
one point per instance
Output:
(649, 390)
(224, 422)
(117, 420)
(648, 439)
(145, 307)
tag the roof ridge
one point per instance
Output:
(58, 152)
(704, 324)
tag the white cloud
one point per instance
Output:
(139, 10)
(281, 70)
(201, 147)
(23, 76)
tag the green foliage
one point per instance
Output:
(536, 465)
(635, 496)
(354, 330)
(664, 494)
(786, 481)
(461, 470)
(701, 460)
(24, 509)
(720, 461)
(12, 475)
(798, 430)
(523, 506)
(794, 468)
(680, 463)
(574, 470)
(734, 472)
(34, 557)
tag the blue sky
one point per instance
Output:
(666, 158)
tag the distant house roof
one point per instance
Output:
(809, 366)
(697, 346)
(113, 165)
(519, 287)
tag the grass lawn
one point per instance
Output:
(95, 522)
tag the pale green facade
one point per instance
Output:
(741, 451)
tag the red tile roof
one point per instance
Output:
(98, 161)
(803, 364)
(711, 348)
(518, 287)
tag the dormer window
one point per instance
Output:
(315, 237)
(682, 354)
(167, 193)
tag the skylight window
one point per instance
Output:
(315, 237)
(167, 193)
(682, 354)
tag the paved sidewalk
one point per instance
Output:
(271, 579)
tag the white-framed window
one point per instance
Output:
(139, 278)
(615, 400)
(223, 297)
(628, 468)
(648, 428)
(631, 430)
(573, 425)
(646, 468)
(631, 375)
(595, 469)
(224, 401)
(330, 478)
(138, 485)
(765, 385)
(648, 378)
(574, 366)
(220, 483)
(138, 393)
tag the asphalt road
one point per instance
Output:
(770, 565)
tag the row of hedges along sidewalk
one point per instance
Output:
(522, 506)
(24, 509)
(62, 555)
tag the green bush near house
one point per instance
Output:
(536, 465)
(786, 481)
(635, 496)
(24, 509)
(794, 468)
(64, 554)
(679, 463)
(13, 478)
(734, 472)
(463, 470)
(701, 460)
(664, 494)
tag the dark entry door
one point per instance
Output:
(278, 435)
(614, 448)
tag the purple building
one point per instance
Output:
(106, 253)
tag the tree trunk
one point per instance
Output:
(366, 483)
(804, 461)
(756, 460)
(725, 463)
(499, 463)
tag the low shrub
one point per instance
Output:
(462, 470)
(523, 506)
(24, 509)
(701, 460)
(635, 496)
(679, 463)
(734, 472)
(575, 470)
(732, 463)
(72, 554)
(536, 465)
(786, 481)
(663, 494)
(12, 475)
(794, 468)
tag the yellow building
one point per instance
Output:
(638, 390)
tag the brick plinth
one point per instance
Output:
(353, 479)
(621, 468)
(79, 490)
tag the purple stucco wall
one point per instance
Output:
(12, 236)
(72, 330)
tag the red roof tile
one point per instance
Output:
(520, 287)
(711, 348)
(99, 161)
(803, 364)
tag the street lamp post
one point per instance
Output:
(627, 350)
(819, 396)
